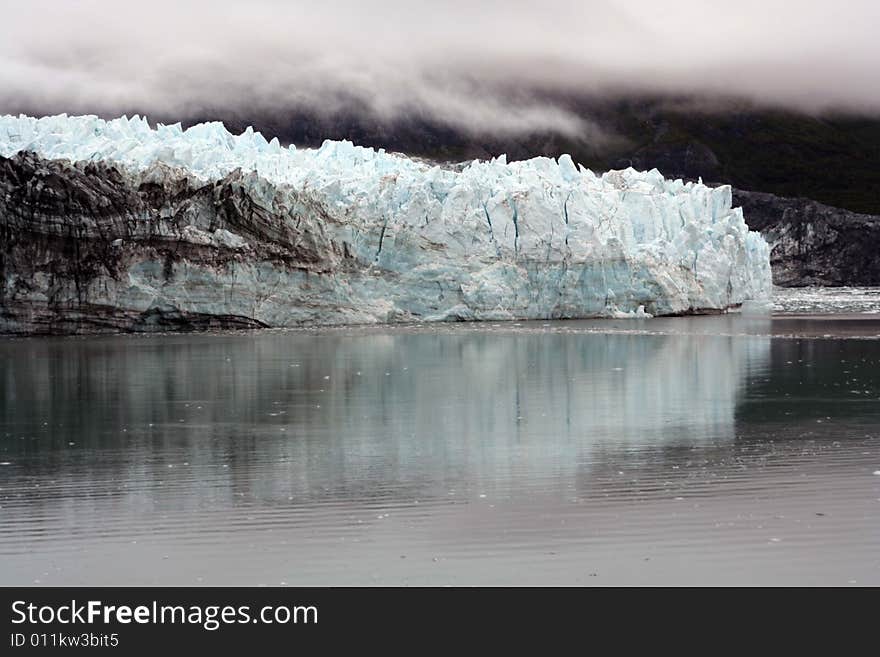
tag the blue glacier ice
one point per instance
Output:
(486, 240)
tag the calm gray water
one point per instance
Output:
(709, 450)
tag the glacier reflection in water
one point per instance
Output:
(392, 455)
(336, 402)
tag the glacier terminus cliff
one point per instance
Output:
(116, 225)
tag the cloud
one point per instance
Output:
(491, 66)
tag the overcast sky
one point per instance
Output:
(474, 64)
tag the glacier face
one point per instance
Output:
(396, 239)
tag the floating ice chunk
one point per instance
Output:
(638, 313)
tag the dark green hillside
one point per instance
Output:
(833, 160)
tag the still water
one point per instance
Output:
(705, 450)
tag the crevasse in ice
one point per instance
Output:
(540, 238)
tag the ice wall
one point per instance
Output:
(540, 238)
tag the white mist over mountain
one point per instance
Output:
(492, 66)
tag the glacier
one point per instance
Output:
(287, 236)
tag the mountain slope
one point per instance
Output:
(832, 159)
